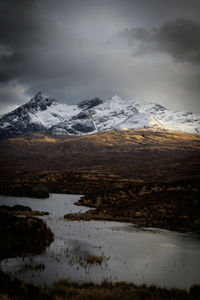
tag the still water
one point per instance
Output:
(153, 257)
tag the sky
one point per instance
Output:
(142, 50)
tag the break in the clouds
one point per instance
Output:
(74, 50)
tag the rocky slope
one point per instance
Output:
(43, 113)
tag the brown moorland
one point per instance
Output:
(148, 178)
(137, 155)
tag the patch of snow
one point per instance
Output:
(95, 115)
(54, 114)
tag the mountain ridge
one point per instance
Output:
(44, 113)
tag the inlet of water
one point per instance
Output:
(153, 257)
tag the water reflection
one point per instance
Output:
(141, 256)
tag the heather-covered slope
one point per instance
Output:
(139, 155)
(144, 177)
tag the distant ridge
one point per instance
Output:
(46, 114)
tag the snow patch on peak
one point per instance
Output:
(116, 101)
(116, 98)
(54, 114)
(155, 124)
(95, 115)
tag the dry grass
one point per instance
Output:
(136, 154)
(93, 259)
(107, 291)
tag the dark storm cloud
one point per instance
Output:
(71, 50)
(23, 25)
(179, 38)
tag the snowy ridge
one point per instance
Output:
(43, 113)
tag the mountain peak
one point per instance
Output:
(41, 101)
(43, 113)
(40, 96)
(116, 98)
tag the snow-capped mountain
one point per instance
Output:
(43, 113)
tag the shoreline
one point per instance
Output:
(22, 233)
(12, 288)
(172, 208)
(168, 205)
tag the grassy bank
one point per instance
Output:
(172, 206)
(20, 236)
(64, 290)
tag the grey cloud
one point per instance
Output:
(66, 48)
(24, 25)
(179, 38)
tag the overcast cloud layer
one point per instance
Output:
(75, 49)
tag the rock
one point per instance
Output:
(22, 236)
(39, 191)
